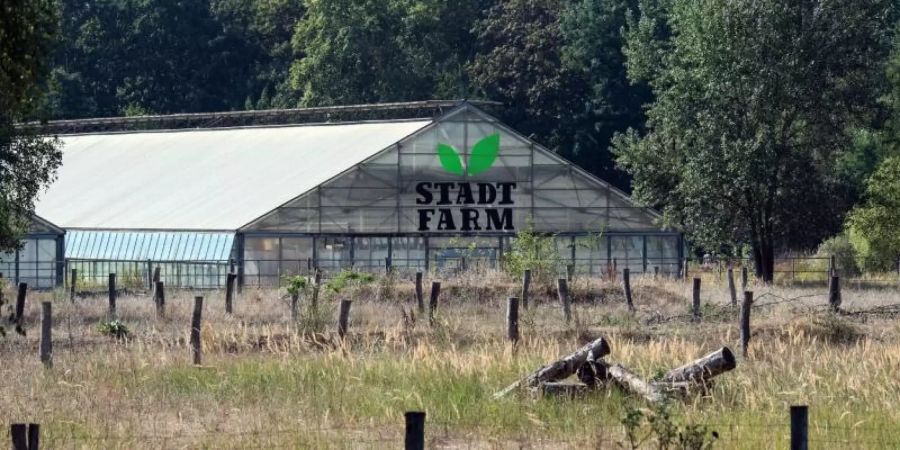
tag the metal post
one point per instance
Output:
(799, 427)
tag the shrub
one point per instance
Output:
(113, 328)
(530, 250)
(873, 226)
(843, 252)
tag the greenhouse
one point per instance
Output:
(434, 193)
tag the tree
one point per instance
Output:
(27, 161)
(875, 227)
(593, 41)
(353, 53)
(520, 64)
(754, 100)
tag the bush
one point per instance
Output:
(113, 328)
(874, 226)
(530, 250)
(843, 252)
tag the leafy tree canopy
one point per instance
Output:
(754, 100)
(27, 162)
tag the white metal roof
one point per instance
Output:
(213, 179)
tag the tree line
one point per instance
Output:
(754, 126)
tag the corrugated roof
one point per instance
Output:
(141, 246)
(217, 179)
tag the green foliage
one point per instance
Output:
(114, 329)
(297, 284)
(538, 252)
(27, 162)
(657, 426)
(751, 110)
(873, 226)
(348, 279)
(843, 252)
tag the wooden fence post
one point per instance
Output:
(415, 430)
(512, 319)
(72, 285)
(562, 289)
(295, 302)
(240, 279)
(196, 323)
(149, 274)
(433, 301)
(317, 284)
(832, 266)
(344, 318)
(799, 427)
(834, 293)
(160, 297)
(744, 277)
(112, 296)
(229, 293)
(47, 334)
(626, 284)
(695, 305)
(655, 272)
(156, 275)
(526, 285)
(20, 303)
(745, 321)
(25, 437)
(731, 287)
(420, 296)
(684, 268)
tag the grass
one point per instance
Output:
(267, 383)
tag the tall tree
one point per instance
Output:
(27, 161)
(754, 99)
(353, 53)
(593, 38)
(520, 64)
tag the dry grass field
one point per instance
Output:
(269, 382)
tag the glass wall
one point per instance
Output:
(36, 263)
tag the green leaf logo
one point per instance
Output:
(482, 158)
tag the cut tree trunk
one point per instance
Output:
(703, 369)
(561, 368)
(630, 382)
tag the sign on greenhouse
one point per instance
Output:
(464, 205)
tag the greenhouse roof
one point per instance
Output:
(211, 179)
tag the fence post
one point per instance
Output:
(20, 303)
(229, 293)
(655, 272)
(731, 288)
(685, 270)
(570, 271)
(695, 305)
(112, 296)
(562, 289)
(420, 296)
(799, 427)
(150, 274)
(415, 430)
(160, 297)
(72, 286)
(832, 266)
(19, 434)
(47, 334)
(316, 285)
(295, 301)
(34, 436)
(626, 284)
(196, 323)
(526, 284)
(156, 275)
(744, 278)
(512, 319)
(344, 317)
(834, 293)
(745, 321)
(240, 279)
(433, 301)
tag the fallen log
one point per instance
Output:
(703, 369)
(561, 368)
(563, 389)
(630, 382)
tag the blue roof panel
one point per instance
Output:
(153, 245)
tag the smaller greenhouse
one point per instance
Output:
(447, 186)
(40, 259)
